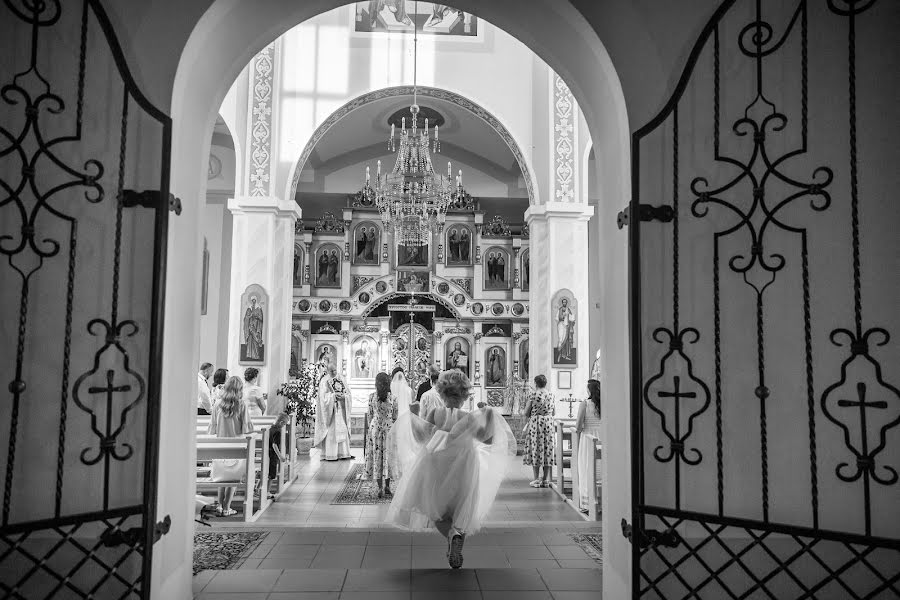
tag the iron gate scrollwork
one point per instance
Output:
(82, 305)
(766, 456)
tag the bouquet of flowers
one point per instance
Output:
(300, 396)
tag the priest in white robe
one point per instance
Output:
(332, 435)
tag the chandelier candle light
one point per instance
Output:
(412, 199)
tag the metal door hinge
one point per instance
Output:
(134, 536)
(149, 199)
(651, 537)
(663, 213)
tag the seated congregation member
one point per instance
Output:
(587, 422)
(204, 402)
(426, 385)
(453, 462)
(230, 418)
(382, 413)
(332, 434)
(539, 432)
(430, 400)
(218, 384)
(253, 394)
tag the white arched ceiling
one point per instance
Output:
(427, 92)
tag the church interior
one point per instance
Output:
(251, 250)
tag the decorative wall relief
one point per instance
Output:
(564, 308)
(328, 266)
(564, 121)
(254, 304)
(261, 122)
(359, 281)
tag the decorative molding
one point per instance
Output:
(497, 227)
(422, 91)
(457, 329)
(330, 224)
(298, 226)
(367, 328)
(464, 283)
(564, 122)
(496, 331)
(345, 335)
(327, 329)
(261, 89)
(359, 281)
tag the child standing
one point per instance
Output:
(230, 418)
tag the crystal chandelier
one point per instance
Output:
(412, 199)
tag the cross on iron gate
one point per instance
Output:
(863, 405)
(677, 395)
(108, 442)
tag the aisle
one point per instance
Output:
(308, 502)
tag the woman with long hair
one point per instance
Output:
(453, 462)
(382, 413)
(587, 423)
(230, 418)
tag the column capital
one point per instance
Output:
(560, 211)
(242, 205)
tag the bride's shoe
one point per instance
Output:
(454, 554)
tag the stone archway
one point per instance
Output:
(224, 39)
(429, 92)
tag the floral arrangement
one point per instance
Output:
(300, 395)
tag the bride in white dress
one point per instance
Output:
(401, 391)
(453, 462)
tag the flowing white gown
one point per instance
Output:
(452, 465)
(402, 393)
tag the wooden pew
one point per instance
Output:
(211, 448)
(592, 485)
(288, 442)
(565, 458)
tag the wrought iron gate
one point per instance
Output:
(765, 436)
(411, 349)
(84, 171)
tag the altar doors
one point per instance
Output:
(411, 349)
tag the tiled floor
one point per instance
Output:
(316, 551)
(308, 501)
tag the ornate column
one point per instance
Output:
(262, 254)
(561, 227)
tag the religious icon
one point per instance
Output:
(298, 266)
(412, 256)
(254, 302)
(496, 276)
(328, 267)
(523, 363)
(364, 356)
(459, 246)
(495, 367)
(296, 354)
(326, 355)
(412, 282)
(526, 270)
(367, 243)
(565, 308)
(387, 16)
(457, 354)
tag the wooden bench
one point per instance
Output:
(565, 458)
(289, 470)
(211, 448)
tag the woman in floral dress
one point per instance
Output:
(539, 436)
(382, 413)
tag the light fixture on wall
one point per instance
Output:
(412, 198)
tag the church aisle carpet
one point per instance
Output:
(358, 490)
(224, 550)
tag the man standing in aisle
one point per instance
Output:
(204, 404)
